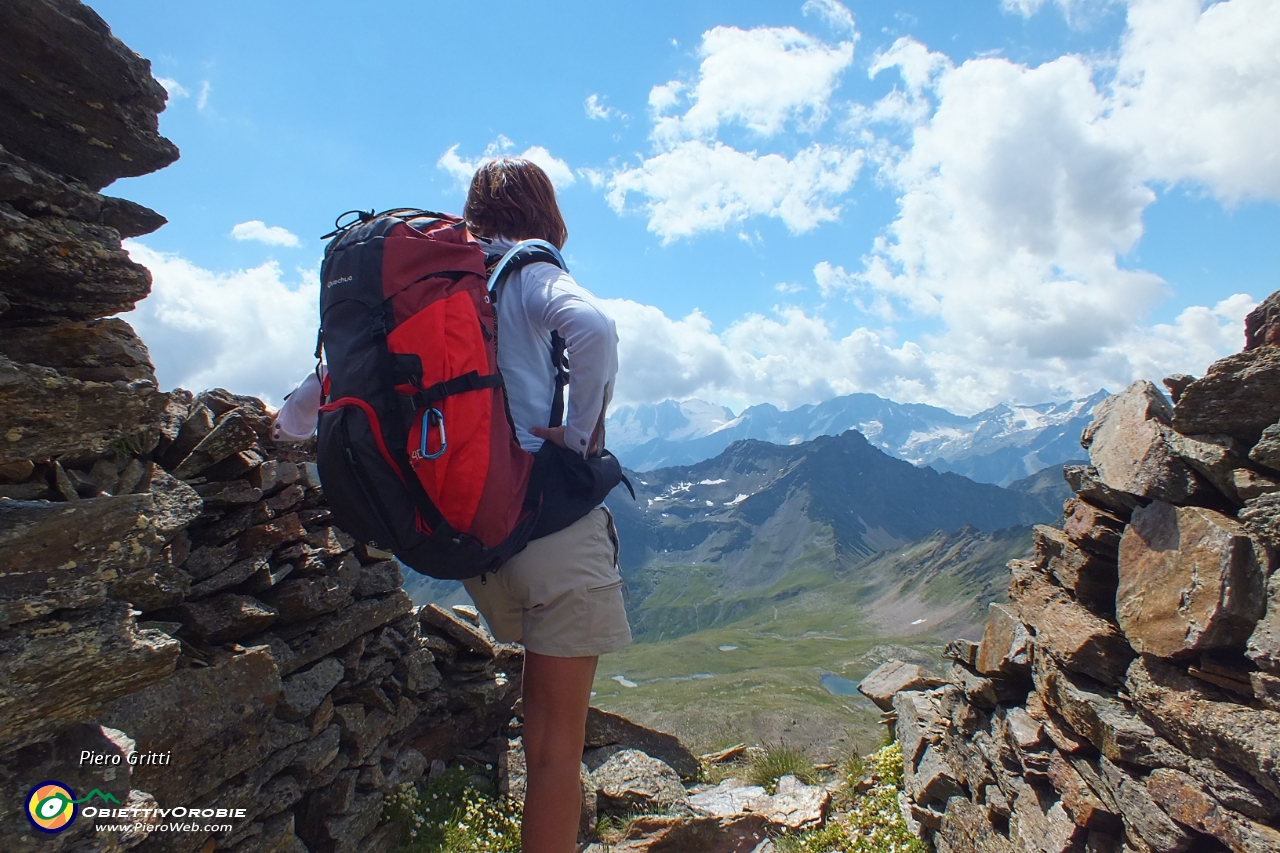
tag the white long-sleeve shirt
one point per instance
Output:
(533, 302)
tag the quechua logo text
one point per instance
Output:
(51, 806)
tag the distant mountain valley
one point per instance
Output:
(772, 574)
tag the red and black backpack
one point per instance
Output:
(416, 447)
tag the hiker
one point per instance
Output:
(549, 578)
(562, 595)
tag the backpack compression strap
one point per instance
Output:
(559, 364)
(471, 381)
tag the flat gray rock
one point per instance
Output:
(730, 797)
(890, 677)
(631, 782)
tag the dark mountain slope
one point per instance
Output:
(869, 500)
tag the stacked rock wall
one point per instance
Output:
(1128, 696)
(171, 587)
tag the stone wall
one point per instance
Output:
(1128, 696)
(170, 582)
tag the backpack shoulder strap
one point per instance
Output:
(517, 257)
(521, 255)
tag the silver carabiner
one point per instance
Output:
(444, 442)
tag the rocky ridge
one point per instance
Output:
(1127, 698)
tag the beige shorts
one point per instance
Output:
(562, 596)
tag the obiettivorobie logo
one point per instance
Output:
(51, 806)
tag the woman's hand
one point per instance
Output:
(555, 435)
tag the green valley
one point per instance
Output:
(719, 669)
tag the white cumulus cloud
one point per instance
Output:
(1021, 189)
(789, 358)
(252, 331)
(202, 100)
(762, 80)
(1197, 93)
(261, 232)
(461, 170)
(698, 186)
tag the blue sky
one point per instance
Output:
(953, 203)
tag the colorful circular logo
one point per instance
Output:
(51, 806)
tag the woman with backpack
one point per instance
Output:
(562, 595)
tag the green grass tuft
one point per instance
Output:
(778, 760)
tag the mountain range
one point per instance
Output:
(763, 522)
(1000, 445)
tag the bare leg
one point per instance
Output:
(556, 694)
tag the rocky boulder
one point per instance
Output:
(94, 351)
(1262, 326)
(76, 99)
(1087, 575)
(1264, 644)
(966, 827)
(44, 414)
(793, 805)
(52, 267)
(1085, 481)
(608, 729)
(730, 797)
(1191, 804)
(893, 676)
(1190, 580)
(1219, 459)
(63, 673)
(1239, 395)
(211, 722)
(1267, 451)
(1205, 723)
(632, 782)
(1079, 639)
(1128, 444)
(1261, 516)
(1006, 644)
(670, 834)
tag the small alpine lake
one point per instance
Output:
(837, 686)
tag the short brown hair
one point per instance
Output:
(514, 198)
